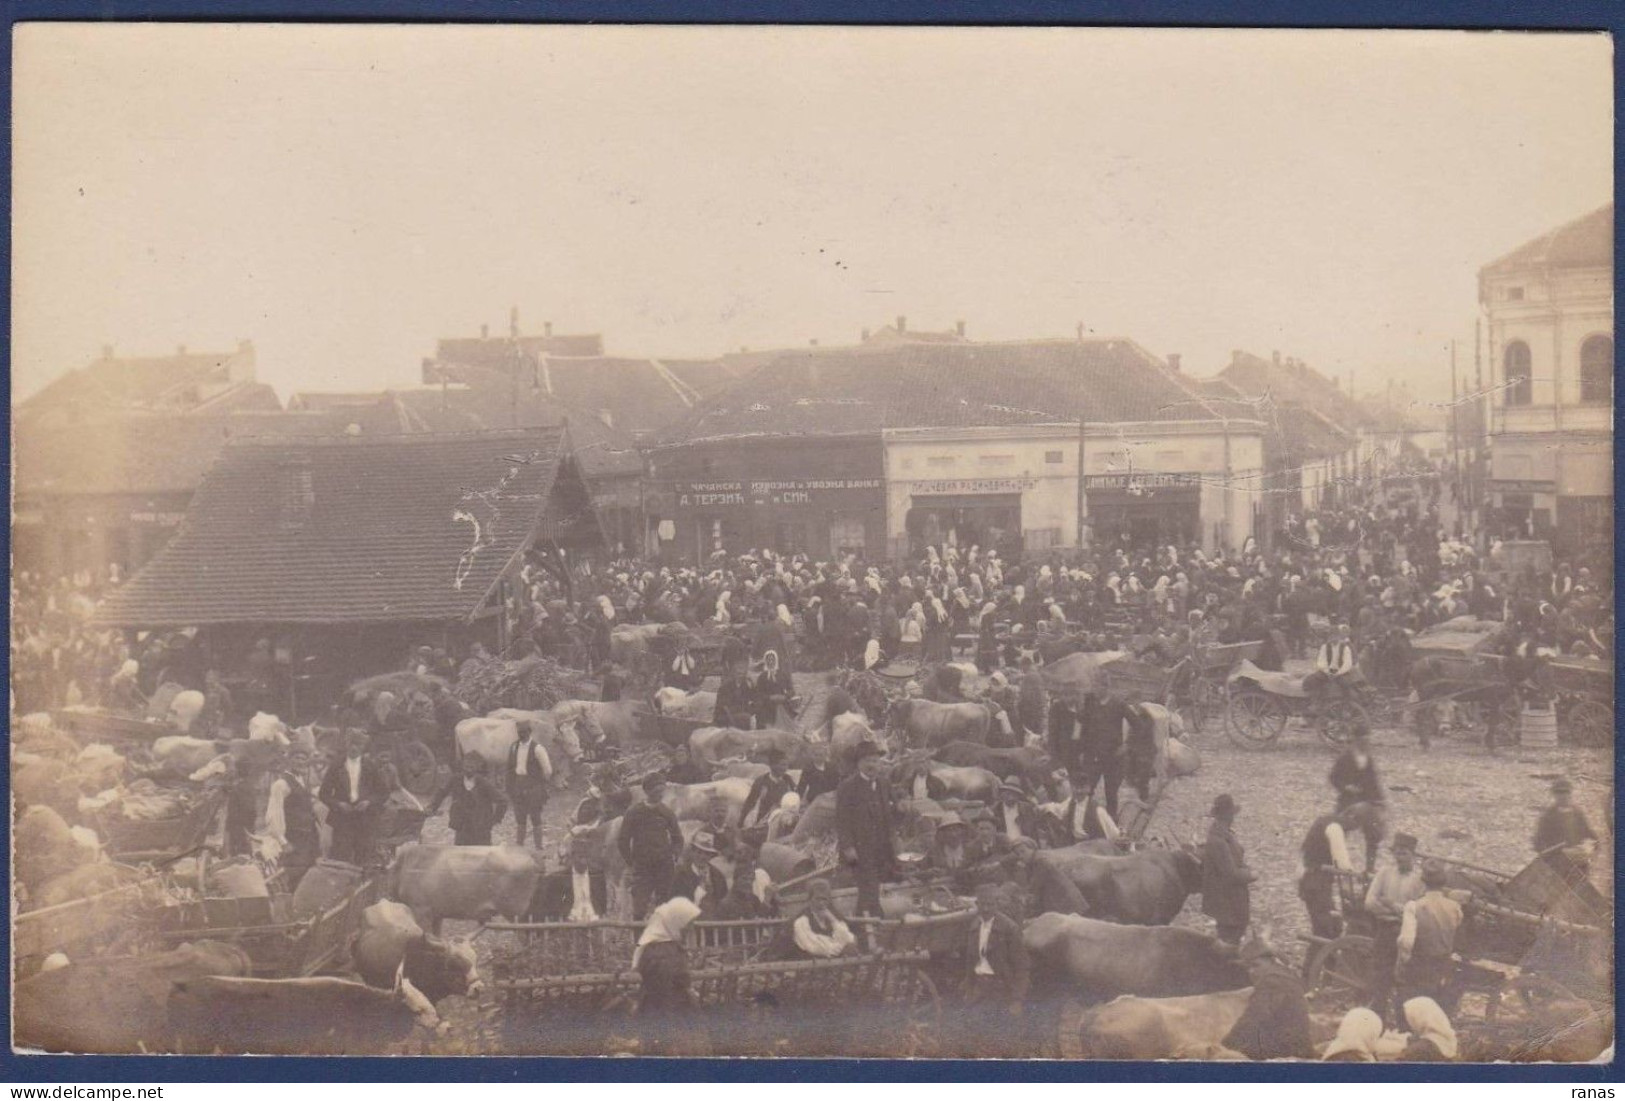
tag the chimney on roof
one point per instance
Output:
(1173, 362)
(547, 328)
(107, 351)
(485, 332)
(902, 323)
(959, 327)
(513, 322)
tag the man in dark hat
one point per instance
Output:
(1563, 837)
(735, 699)
(1392, 888)
(650, 841)
(1226, 879)
(354, 792)
(766, 790)
(1015, 814)
(476, 804)
(863, 827)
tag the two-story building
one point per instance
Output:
(1549, 311)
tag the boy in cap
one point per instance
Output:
(1391, 889)
(1226, 878)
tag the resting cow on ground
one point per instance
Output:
(1103, 959)
(115, 1005)
(313, 1016)
(1148, 887)
(1130, 1027)
(391, 942)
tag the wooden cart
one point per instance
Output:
(278, 948)
(888, 990)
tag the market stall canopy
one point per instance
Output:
(360, 529)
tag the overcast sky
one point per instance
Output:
(345, 196)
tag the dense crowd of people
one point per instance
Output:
(1348, 588)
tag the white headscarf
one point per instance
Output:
(666, 924)
(1427, 1020)
(606, 606)
(784, 616)
(1358, 1032)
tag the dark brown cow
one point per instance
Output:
(1148, 887)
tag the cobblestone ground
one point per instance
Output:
(1459, 800)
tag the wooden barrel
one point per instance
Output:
(1539, 727)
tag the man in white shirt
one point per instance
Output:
(1000, 971)
(819, 932)
(354, 792)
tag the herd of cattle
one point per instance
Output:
(1103, 925)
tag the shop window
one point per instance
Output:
(1520, 389)
(1597, 370)
(1052, 456)
(846, 535)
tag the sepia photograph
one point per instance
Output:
(812, 542)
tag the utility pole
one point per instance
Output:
(1455, 432)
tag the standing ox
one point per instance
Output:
(1104, 960)
(468, 882)
(924, 723)
(1148, 887)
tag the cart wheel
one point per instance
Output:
(1342, 969)
(1589, 723)
(1337, 721)
(914, 1012)
(420, 772)
(1254, 719)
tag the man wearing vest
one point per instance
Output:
(529, 770)
(1333, 663)
(1427, 940)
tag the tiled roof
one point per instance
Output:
(131, 383)
(641, 395)
(1306, 435)
(405, 528)
(863, 390)
(1295, 383)
(486, 351)
(1586, 242)
(158, 453)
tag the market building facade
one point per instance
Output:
(1549, 312)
